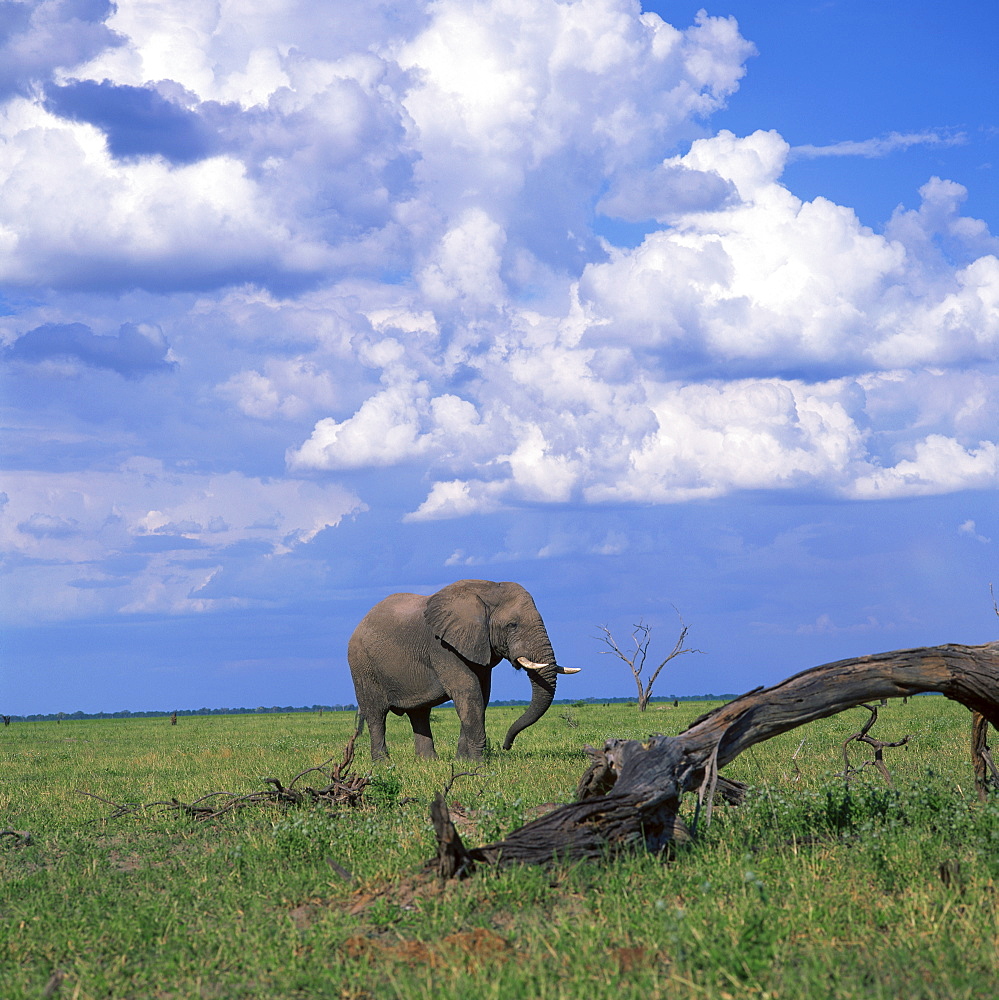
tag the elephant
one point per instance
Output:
(411, 653)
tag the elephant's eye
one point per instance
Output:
(512, 625)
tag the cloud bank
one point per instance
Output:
(254, 258)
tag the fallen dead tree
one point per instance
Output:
(338, 788)
(629, 797)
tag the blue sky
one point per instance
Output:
(645, 309)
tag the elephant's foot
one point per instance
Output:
(423, 738)
(424, 746)
(470, 752)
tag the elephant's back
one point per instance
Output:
(396, 610)
(391, 627)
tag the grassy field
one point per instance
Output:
(804, 891)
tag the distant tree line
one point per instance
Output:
(275, 709)
(180, 712)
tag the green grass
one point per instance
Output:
(804, 891)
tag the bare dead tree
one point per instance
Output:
(629, 797)
(641, 637)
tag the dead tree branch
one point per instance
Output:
(630, 795)
(879, 745)
(986, 773)
(341, 788)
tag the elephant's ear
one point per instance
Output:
(458, 615)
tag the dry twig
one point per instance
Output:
(455, 775)
(794, 759)
(19, 838)
(54, 983)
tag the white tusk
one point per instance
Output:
(529, 664)
(569, 670)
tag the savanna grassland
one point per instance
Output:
(807, 890)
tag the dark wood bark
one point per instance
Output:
(629, 797)
(986, 772)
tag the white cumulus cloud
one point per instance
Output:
(290, 244)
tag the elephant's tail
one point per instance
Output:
(358, 723)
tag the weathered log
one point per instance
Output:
(630, 795)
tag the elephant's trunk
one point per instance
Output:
(543, 688)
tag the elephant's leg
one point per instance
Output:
(467, 695)
(376, 727)
(423, 738)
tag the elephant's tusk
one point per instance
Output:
(529, 664)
